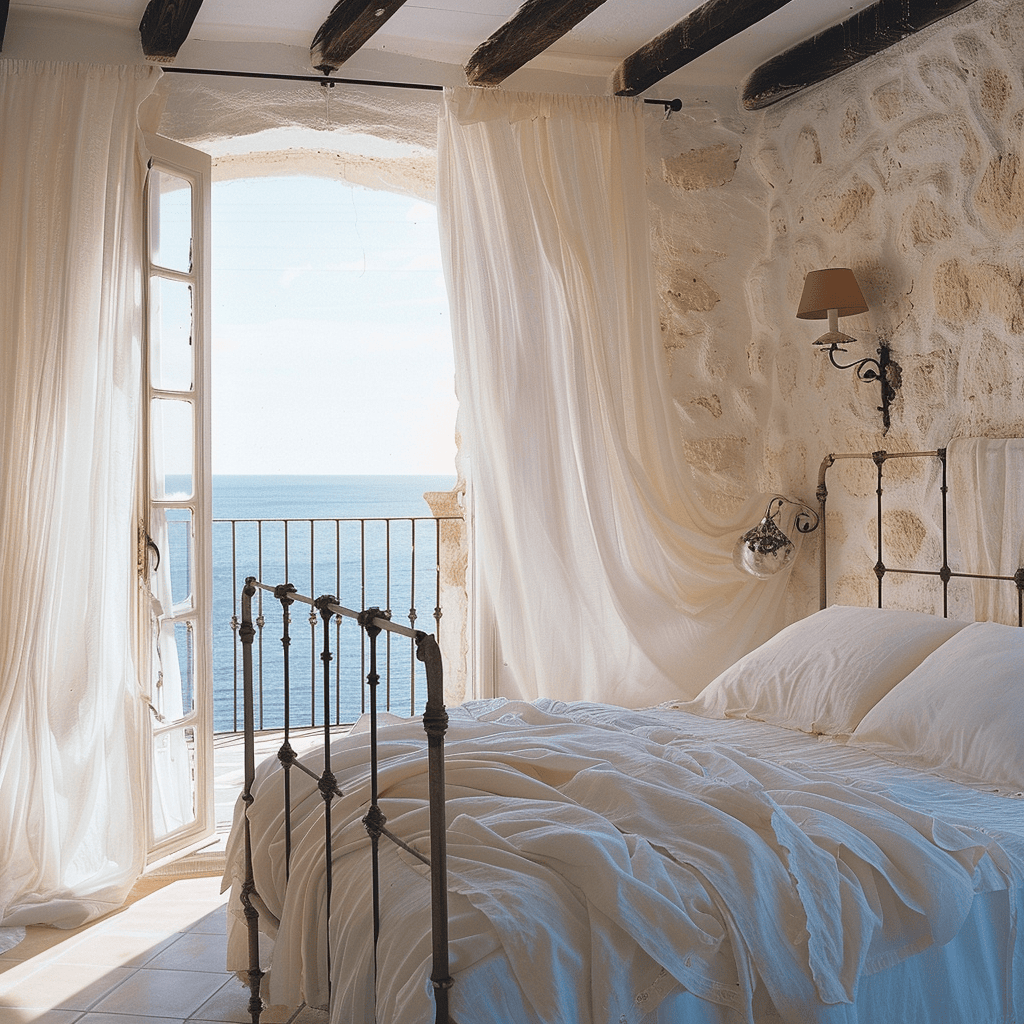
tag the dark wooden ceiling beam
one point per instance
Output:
(700, 31)
(349, 25)
(530, 31)
(842, 46)
(165, 26)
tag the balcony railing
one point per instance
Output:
(394, 564)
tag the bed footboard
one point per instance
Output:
(435, 722)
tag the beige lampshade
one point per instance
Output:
(835, 288)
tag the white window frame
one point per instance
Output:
(193, 166)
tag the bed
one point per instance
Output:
(832, 831)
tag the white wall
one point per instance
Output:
(41, 34)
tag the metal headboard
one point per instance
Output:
(944, 573)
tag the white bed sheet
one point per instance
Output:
(945, 880)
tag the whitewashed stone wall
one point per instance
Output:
(906, 168)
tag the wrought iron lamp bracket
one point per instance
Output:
(806, 520)
(883, 369)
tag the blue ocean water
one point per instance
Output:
(319, 497)
(387, 560)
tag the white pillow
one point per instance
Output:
(824, 673)
(961, 710)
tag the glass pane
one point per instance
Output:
(173, 695)
(170, 335)
(171, 221)
(180, 554)
(174, 796)
(183, 641)
(171, 448)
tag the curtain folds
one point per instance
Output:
(987, 484)
(608, 578)
(71, 824)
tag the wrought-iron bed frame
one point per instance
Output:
(880, 568)
(435, 720)
(435, 723)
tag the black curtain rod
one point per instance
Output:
(329, 80)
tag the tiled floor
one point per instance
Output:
(158, 960)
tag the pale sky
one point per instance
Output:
(332, 347)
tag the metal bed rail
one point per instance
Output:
(881, 569)
(373, 621)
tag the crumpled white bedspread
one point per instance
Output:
(605, 864)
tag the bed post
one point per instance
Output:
(822, 496)
(246, 632)
(374, 820)
(435, 722)
(945, 573)
(879, 458)
(286, 755)
(327, 783)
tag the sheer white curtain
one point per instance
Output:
(986, 476)
(607, 577)
(71, 826)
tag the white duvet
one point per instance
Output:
(596, 865)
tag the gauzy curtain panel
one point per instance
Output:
(607, 577)
(987, 485)
(72, 833)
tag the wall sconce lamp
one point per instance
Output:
(766, 550)
(834, 293)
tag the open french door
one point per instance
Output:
(175, 622)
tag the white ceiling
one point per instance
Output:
(447, 32)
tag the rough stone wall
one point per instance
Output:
(908, 169)
(709, 223)
(453, 559)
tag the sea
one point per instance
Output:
(366, 540)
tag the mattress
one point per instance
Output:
(647, 866)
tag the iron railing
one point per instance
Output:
(391, 563)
